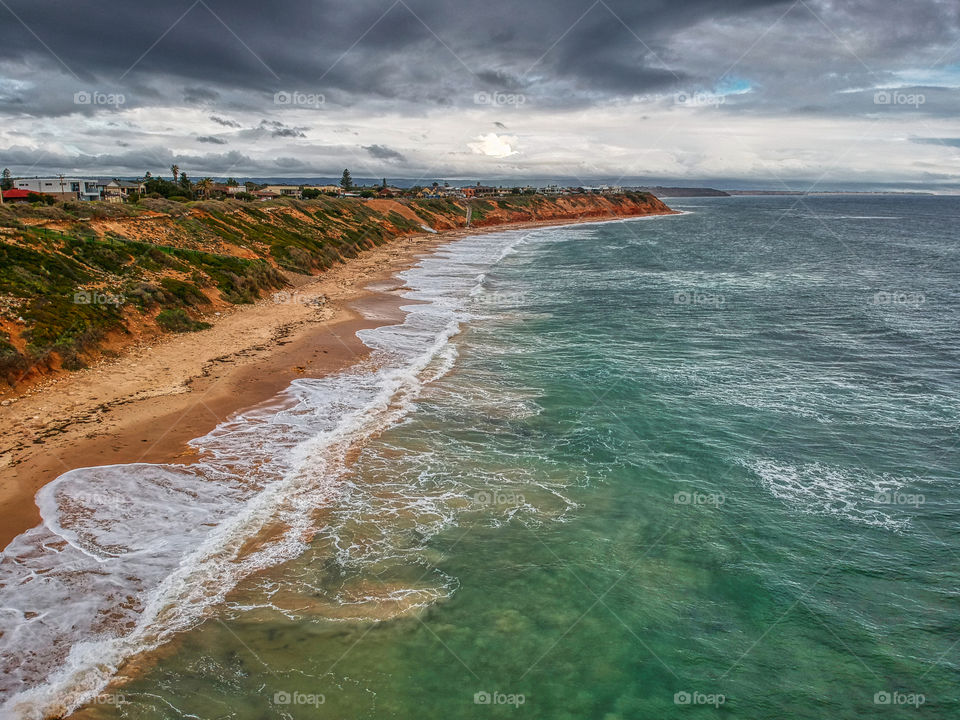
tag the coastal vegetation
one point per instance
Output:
(80, 277)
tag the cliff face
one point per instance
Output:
(77, 277)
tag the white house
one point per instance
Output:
(62, 188)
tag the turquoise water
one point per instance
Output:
(701, 465)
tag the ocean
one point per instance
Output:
(693, 464)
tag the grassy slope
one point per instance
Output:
(175, 260)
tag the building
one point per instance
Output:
(115, 191)
(601, 189)
(265, 194)
(284, 190)
(16, 196)
(553, 190)
(325, 188)
(62, 188)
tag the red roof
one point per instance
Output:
(14, 194)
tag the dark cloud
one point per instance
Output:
(225, 122)
(423, 59)
(561, 52)
(383, 153)
(290, 163)
(199, 95)
(130, 162)
(225, 45)
(278, 129)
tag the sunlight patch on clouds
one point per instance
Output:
(493, 145)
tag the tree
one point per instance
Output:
(346, 182)
(204, 186)
(185, 181)
(232, 182)
(384, 186)
(7, 182)
(175, 170)
(147, 176)
(40, 198)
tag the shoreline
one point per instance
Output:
(147, 404)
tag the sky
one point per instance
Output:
(812, 94)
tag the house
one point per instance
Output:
(284, 190)
(265, 194)
(430, 192)
(62, 188)
(478, 190)
(115, 191)
(16, 196)
(601, 189)
(325, 188)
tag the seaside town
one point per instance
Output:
(179, 187)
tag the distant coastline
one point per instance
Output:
(681, 192)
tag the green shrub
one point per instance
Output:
(176, 320)
(186, 292)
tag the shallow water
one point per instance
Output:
(702, 463)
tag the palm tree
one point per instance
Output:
(204, 186)
(175, 169)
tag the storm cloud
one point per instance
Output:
(780, 89)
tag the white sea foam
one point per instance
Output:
(127, 555)
(854, 494)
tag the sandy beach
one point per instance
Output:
(148, 403)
